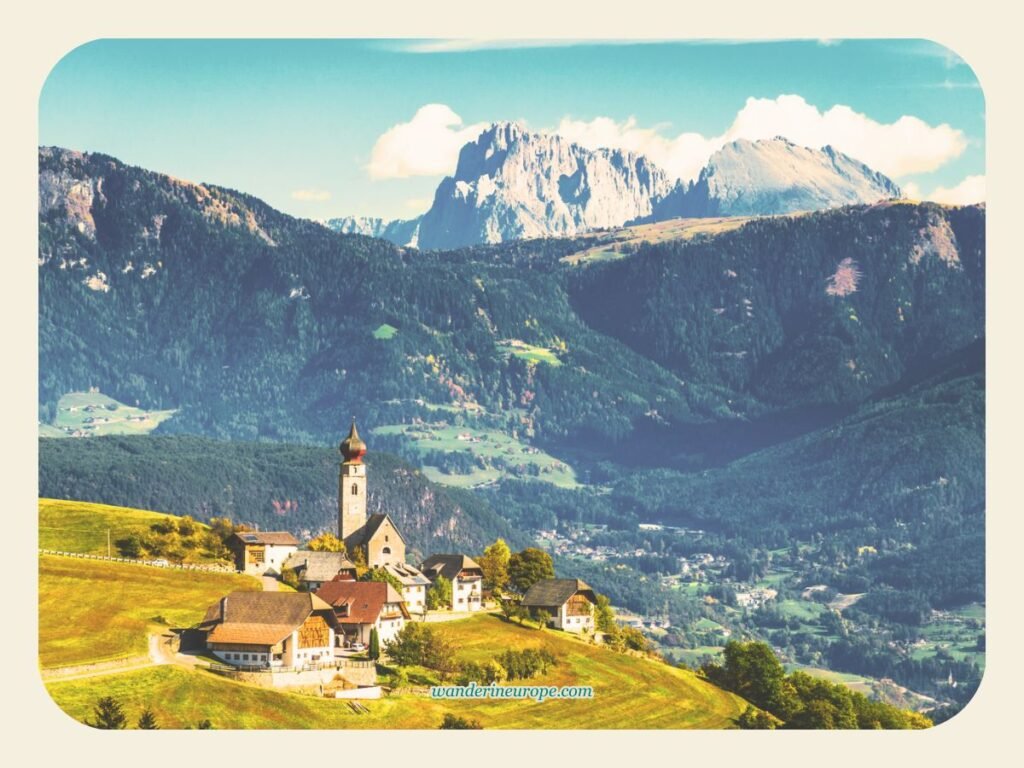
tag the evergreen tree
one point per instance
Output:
(374, 652)
(147, 721)
(109, 715)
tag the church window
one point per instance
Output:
(355, 489)
(386, 550)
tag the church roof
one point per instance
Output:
(352, 447)
(551, 593)
(373, 524)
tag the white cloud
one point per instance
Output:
(970, 190)
(906, 146)
(311, 195)
(427, 145)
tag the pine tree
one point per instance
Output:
(109, 715)
(374, 644)
(147, 721)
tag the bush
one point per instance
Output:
(454, 722)
(526, 663)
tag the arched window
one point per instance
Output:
(355, 489)
(386, 551)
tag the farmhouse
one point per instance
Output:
(270, 629)
(570, 603)
(316, 568)
(360, 606)
(376, 536)
(414, 586)
(261, 553)
(464, 574)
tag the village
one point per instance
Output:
(327, 626)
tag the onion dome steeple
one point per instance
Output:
(352, 447)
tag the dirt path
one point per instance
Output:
(269, 583)
(157, 653)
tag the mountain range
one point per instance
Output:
(511, 183)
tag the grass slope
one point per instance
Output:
(81, 526)
(629, 692)
(91, 611)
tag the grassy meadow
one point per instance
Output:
(492, 446)
(629, 692)
(92, 413)
(81, 526)
(93, 610)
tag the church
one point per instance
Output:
(375, 536)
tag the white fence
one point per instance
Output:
(209, 567)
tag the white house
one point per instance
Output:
(270, 629)
(414, 586)
(261, 553)
(464, 574)
(569, 602)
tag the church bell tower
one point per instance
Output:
(352, 488)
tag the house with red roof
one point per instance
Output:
(360, 606)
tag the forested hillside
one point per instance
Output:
(255, 325)
(278, 487)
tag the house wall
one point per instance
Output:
(575, 624)
(467, 594)
(387, 629)
(274, 556)
(386, 538)
(415, 597)
(241, 655)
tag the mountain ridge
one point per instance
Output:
(511, 183)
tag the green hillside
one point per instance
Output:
(629, 692)
(81, 526)
(87, 414)
(92, 611)
(273, 486)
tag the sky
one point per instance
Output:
(323, 128)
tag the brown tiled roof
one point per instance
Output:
(280, 538)
(551, 593)
(363, 599)
(276, 609)
(318, 566)
(448, 566)
(249, 634)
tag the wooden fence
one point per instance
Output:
(208, 567)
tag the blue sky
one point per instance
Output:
(324, 128)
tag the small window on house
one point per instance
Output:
(245, 656)
(386, 550)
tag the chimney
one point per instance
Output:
(224, 608)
